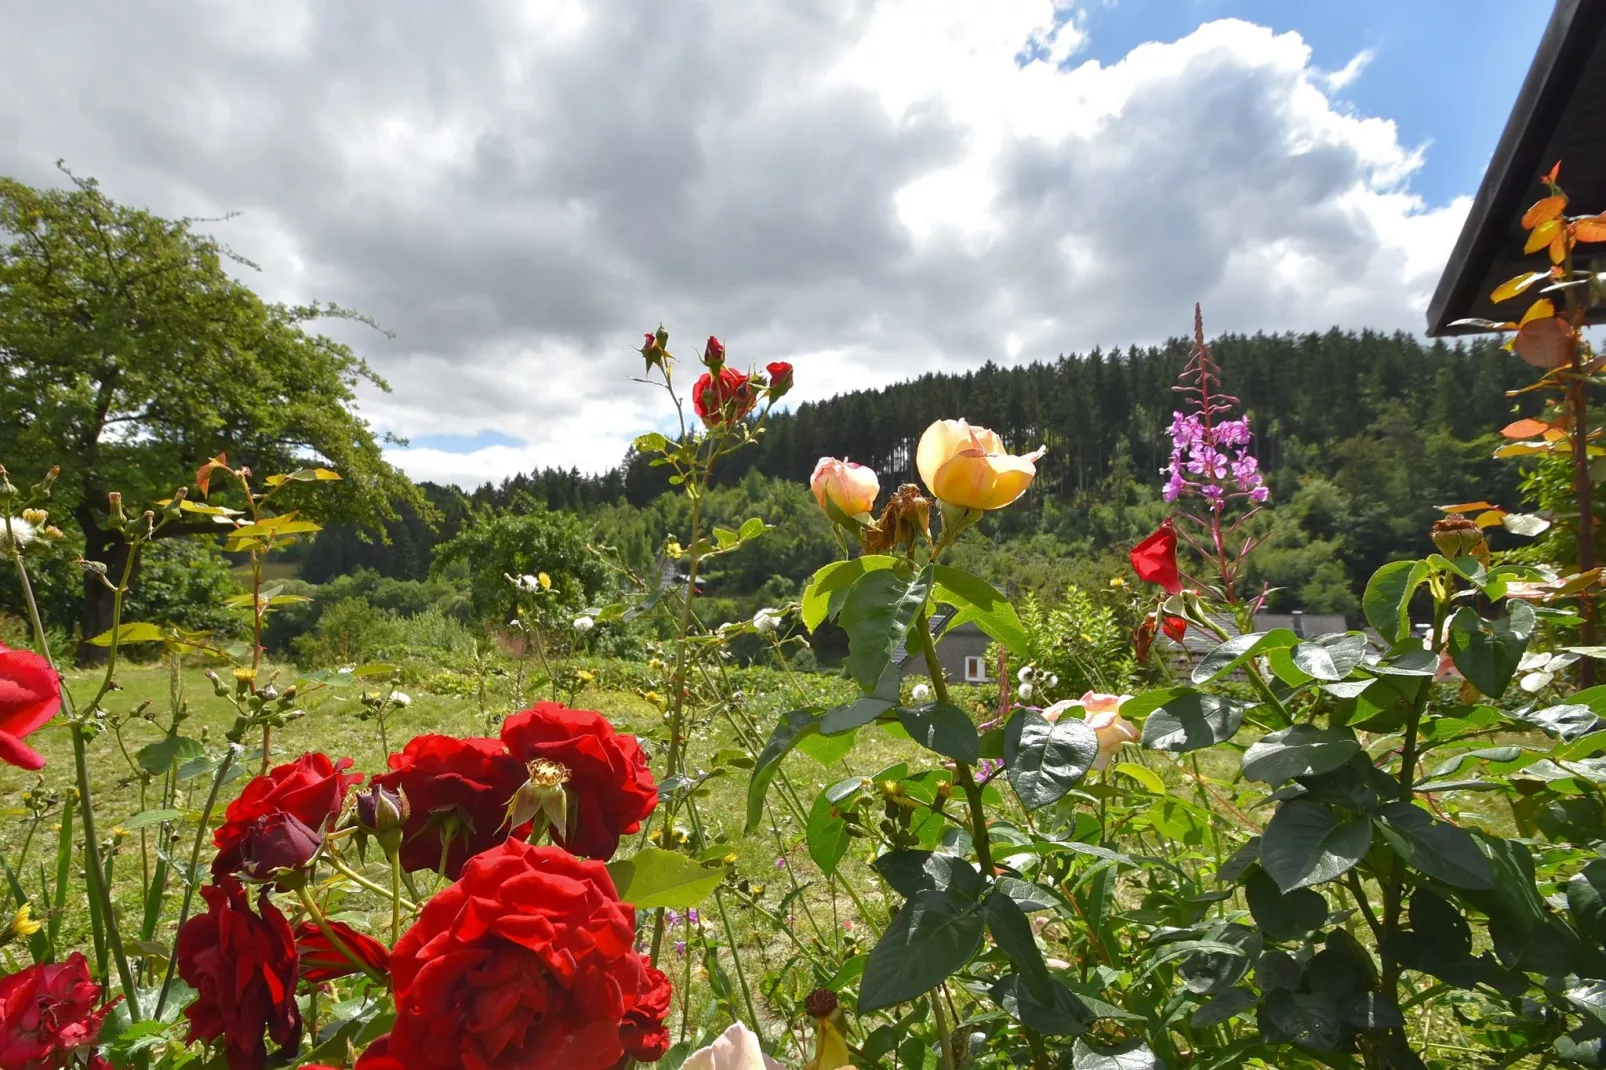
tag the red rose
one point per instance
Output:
(47, 1014)
(312, 789)
(714, 353)
(610, 789)
(1155, 559)
(780, 378)
(461, 787)
(320, 961)
(723, 396)
(527, 961)
(30, 695)
(243, 968)
(377, 1056)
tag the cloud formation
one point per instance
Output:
(868, 189)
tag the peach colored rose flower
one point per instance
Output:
(969, 466)
(1102, 714)
(850, 487)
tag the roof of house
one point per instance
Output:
(938, 622)
(1560, 114)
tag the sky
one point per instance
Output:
(870, 189)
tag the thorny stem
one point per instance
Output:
(978, 815)
(195, 858)
(93, 868)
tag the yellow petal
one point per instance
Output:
(977, 480)
(941, 441)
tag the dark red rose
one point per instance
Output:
(724, 396)
(48, 1014)
(714, 354)
(529, 960)
(242, 966)
(30, 695)
(780, 379)
(610, 789)
(1155, 559)
(460, 787)
(321, 962)
(377, 1056)
(276, 841)
(312, 789)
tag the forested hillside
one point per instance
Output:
(1360, 434)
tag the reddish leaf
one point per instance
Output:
(1546, 208)
(1591, 228)
(1542, 235)
(1545, 343)
(1525, 428)
(1555, 169)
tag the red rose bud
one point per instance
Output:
(381, 810)
(652, 348)
(274, 842)
(714, 354)
(780, 379)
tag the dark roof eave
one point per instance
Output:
(1564, 50)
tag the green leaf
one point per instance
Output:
(1567, 722)
(142, 632)
(1191, 720)
(944, 728)
(1283, 916)
(1045, 760)
(911, 872)
(827, 831)
(828, 750)
(876, 614)
(1437, 849)
(1133, 1055)
(792, 727)
(1586, 900)
(934, 934)
(1299, 750)
(864, 709)
(1240, 648)
(1013, 935)
(1387, 601)
(1222, 1007)
(1590, 1000)
(979, 602)
(1487, 652)
(1334, 659)
(1307, 843)
(654, 877)
(1064, 1014)
(823, 596)
(150, 817)
(156, 758)
(752, 528)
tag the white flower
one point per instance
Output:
(22, 531)
(1025, 673)
(1024, 691)
(921, 693)
(767, 619)
(736, 1049)
(1052, 681)
(401, 698)
(584, 624)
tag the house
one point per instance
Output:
(962, 652)
(1560, 114)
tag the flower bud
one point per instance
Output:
(381, 810)
(714, 354)
(780, 379)
(275, 842)
(1457, 536)
(116, 519)
(849, 488)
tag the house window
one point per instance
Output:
(975, 669)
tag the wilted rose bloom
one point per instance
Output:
(1155, 558)
(849, 486)
(969, 466)
(1102, 714)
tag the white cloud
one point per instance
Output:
(868, 188)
